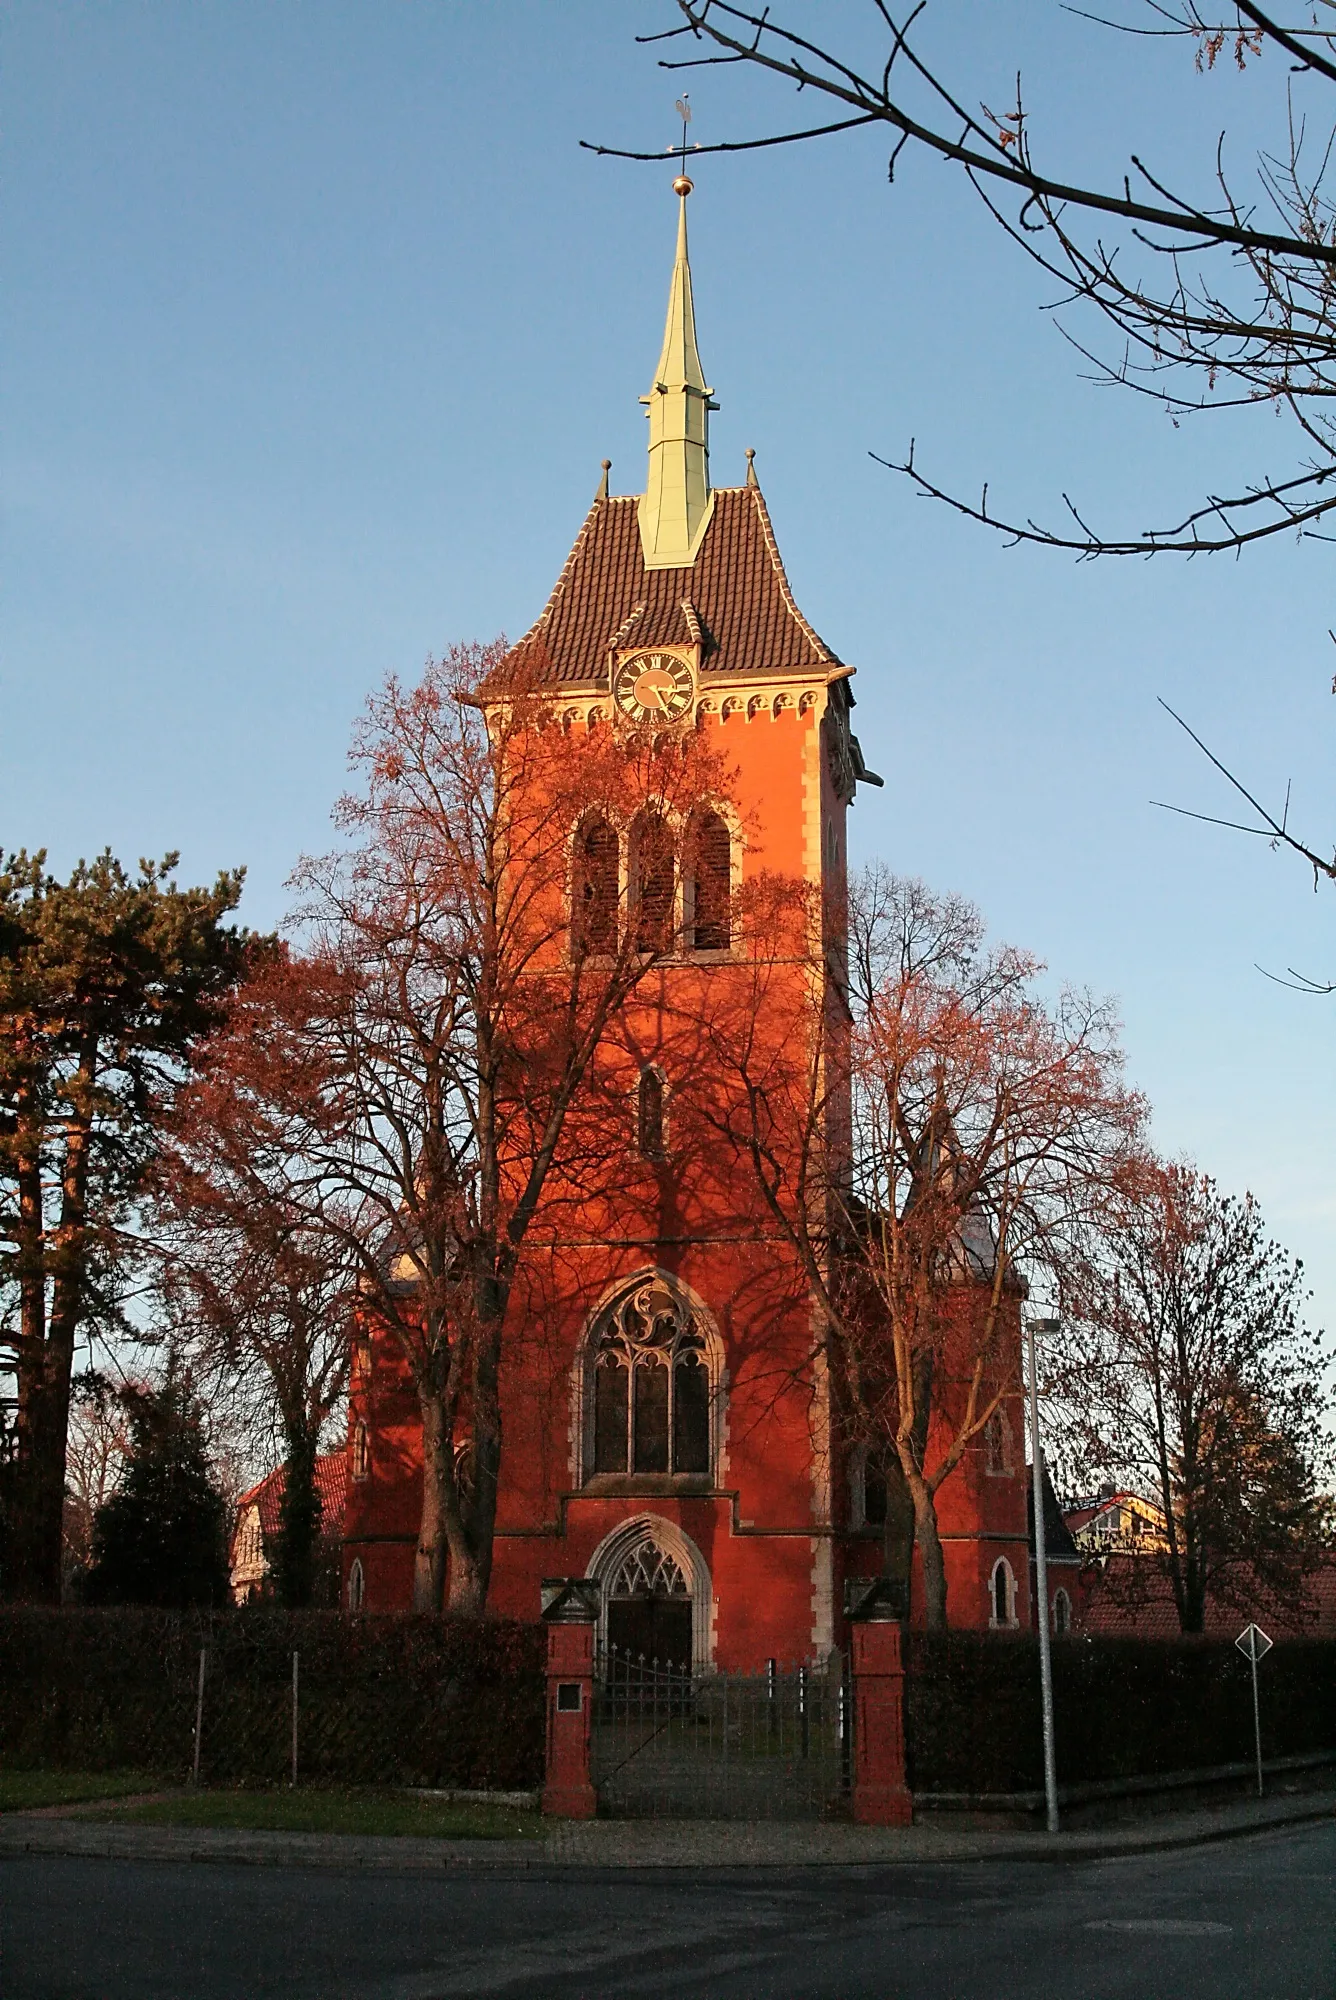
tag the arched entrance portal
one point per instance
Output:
(649, 1608)
(655, 1591)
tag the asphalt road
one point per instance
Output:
(1251, 1919)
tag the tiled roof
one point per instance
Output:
(735, 598)
(1132, 1598)
(331, 1483)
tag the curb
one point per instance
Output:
(699, 1847)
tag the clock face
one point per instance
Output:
(653, 687)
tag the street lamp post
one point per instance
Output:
(1033, 1327)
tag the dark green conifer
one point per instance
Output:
(160, 1539)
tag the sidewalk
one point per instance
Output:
(600, 1845)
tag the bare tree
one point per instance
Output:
(253, 1288)
(1240, 308)
(925, 1133)
(96, 1448)
(1187, 1370)
(470, 950)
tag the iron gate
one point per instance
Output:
(669, 1742)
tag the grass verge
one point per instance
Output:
(20, 1791)
(333, 1811)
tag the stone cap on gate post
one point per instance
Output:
(570, 1600)
(875, 1600)
(875, 1608)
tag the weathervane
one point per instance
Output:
(682, 185)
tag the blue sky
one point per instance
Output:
(319, 323)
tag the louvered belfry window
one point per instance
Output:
(655, 884)
(651, 1388)
(713, 886)
(594, 901)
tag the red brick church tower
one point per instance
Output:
(665, 1433)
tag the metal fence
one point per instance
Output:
(668, 1742)
(374, 1701)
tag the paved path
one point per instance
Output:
(616, 1844)
(1253, 1918)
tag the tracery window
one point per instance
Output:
(651, 1389)
(712, 885)
(655, 882)
(594, 889)
(649, 1571)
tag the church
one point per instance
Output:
(667, 1433)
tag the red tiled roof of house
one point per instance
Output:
(1131, 1598)
(735, 598)
(331, 1483)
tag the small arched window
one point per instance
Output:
(361, 1358)
(360, 1451)
(356, 1585)
(649, 1114)
(594, 890)
(1062, 1612)
(655, 884)
(712, 885)
(998, 1456)
(1002, 1594)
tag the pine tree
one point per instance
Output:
(107, 980)
(160, 1538)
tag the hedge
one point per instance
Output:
(438, 1701)
(1123, 1708)
(382, 1700)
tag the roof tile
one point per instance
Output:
(736, 596)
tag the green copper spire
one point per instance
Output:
(678, 503)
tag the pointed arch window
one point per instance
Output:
(361, 1452)
(1002, 1594)
(652, 1391)
(1062, 1613)
(650, 1128)
(594, 890)
(356, 1585)
(999, 1457)
(712, 885)
(655, 882)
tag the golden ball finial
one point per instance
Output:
(682, 185)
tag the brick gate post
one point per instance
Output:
(570, 1611)
(874, 1608)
